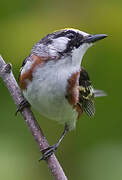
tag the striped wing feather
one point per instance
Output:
(88, 93)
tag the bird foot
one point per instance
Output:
(48, 152)
(22, 105)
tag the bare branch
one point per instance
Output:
(10, 82)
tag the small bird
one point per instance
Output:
(53, 81)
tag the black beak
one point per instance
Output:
(94, 38)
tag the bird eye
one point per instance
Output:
(70, 36)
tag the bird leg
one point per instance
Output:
(51, 149)
(22, 105)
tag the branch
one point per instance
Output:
(10, 82)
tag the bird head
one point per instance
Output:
(67, 42)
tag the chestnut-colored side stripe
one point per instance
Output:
(73, 92)
(28, 75)
(72, 89)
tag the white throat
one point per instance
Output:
(78, 54)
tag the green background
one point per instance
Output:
(94, 149)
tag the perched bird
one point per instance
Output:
(53, 81)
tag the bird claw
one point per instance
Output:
(48, 152)
(22, 105)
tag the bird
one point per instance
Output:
(55, 84)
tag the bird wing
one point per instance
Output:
(89, 108)
(87, 93)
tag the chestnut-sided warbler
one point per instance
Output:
(53, 81)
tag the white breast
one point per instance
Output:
(47, 91)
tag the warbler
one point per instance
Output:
(53, 81)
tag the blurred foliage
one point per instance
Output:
(94, 150)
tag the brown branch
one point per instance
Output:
(9, 80)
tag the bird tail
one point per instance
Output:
(99, 93)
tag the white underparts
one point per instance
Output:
(47, 90)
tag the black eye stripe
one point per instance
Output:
(75, 42)
(70, 36)
(75, 39)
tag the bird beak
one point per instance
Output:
(94, 38)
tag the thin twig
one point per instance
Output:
(10, 82)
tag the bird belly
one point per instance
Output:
(47, 94)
